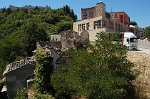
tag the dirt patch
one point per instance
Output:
(142, 64)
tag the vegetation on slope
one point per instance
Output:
(101, 72)
(93, 72)
(20, 30)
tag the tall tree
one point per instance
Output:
(99, 72)
(147, 32)
(43, 71)
(32, 34)
(20, 29)
(69, 12)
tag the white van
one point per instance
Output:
(129, 40)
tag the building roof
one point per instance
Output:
(18, 64)
(87, 8)
(101, 2)
(133, 23)
(94, 6)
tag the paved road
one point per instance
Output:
(144, 46)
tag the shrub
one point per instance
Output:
(101, 72)
(43, 70)
(43, 96)
(21, 94)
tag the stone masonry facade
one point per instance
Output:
(20, 74)
(96, 20)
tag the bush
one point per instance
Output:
(21, 94)
(147, 32)
(43, 96)
(43, 71)
(99, 72)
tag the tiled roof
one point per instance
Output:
(18, 64)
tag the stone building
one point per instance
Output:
(17, 73)
(20, 74)
(120, 20)
(96, 20)
(50, 44)
(93, 26)
(96, 11)
(121, 16)
(69, 39)
(55, 50)
(55, 37)
(28, 7)
(84, 36)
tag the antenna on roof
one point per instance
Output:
(111, 9)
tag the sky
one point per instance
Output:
(137, 10)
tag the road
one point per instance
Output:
(144, 46)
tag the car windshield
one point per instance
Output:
(133, 39)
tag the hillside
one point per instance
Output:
(20, 29)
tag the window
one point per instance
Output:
(133, 39)
(85, 16)
(87, 26)
(97, 24)
(79, 27)
(83, 26)
(91, 14)
(104, 23)
(127, 40)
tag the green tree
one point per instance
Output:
(11, 48)
(147, 32)
(2, 67)
(99, 72)
(32, 34)
(43, 96)
(69, 12)
(63, 26)
(21, 94)
(20, 29)
(43, 71)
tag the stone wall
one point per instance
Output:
(69, 38)
(17, 79)
(96, 11)
(17, 73)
